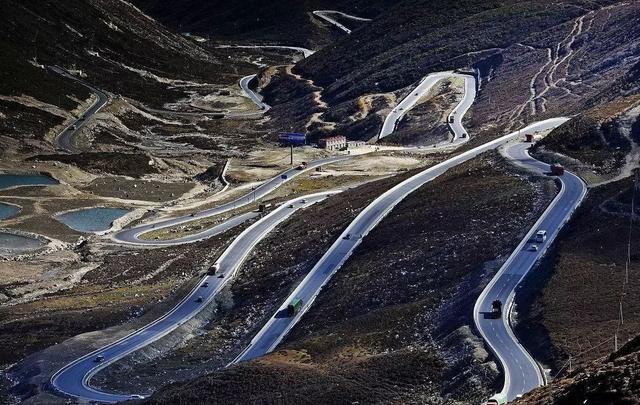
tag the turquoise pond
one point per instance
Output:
(13, 180)
(12, 244)
(8, 210)
(91, 219)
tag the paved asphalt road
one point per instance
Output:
(132, 235)
(74, 378)
(325, 15)
(461, 109)
(426, 84)
(64, 140)
(244, 82)
(279, 324)
(522, 373)
(255, 97)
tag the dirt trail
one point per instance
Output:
(548, 70)
(317, 98)
(565, 45)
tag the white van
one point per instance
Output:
(541, 236)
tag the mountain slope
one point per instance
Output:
(287, 22)
(534, 59)
(110, 43)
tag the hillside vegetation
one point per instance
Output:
(608, 380)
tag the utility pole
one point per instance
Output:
(633, 198)
(621, 316)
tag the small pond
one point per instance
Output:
(13, 180)
(8, 210)
(12, 244)
(91, 219)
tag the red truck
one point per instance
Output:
(557, 169)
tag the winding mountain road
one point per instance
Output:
(132, 235)
(521, 372)
(279, 324)
(305, 51)
(254, 96)
(326, 15)
(425, 85)
(74, 378)
(244, 82)
(64, 140)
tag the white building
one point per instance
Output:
(333, 143)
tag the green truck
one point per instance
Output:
(294, 307)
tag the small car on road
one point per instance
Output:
(99, 358)
(199, 299)
(533, 248)
(205, 284)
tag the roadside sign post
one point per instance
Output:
(292, 139)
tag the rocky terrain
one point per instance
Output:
(608, 380)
